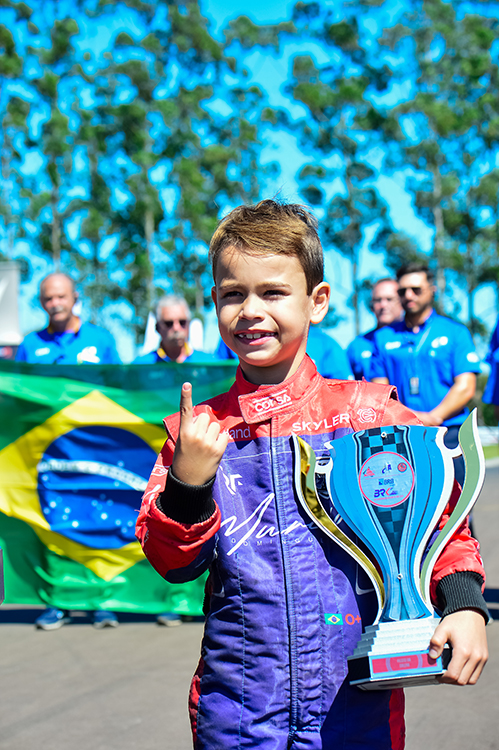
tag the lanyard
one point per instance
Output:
(421, 341)
(414, 379)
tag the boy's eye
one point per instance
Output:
(275, 293)
(230, 293)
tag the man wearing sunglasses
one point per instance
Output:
(173, 318)
(431, 359)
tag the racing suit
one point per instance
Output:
(273, 666)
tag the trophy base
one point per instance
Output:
(395, 654)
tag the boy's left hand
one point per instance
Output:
(465, 633)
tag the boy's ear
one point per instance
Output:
(214, 297)
(320, 301)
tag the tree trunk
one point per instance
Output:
(355, 262)
(7, 196)
(471, 286)
(149, 237)
(438, 220)
(199, 296)
(355, 294)
(56, 229)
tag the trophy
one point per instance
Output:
(380, 496)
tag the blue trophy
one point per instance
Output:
(390, 486)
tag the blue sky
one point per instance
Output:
(260, 11)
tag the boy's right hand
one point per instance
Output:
(200, 444)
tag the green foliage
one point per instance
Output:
(60, 36)
(250, 35)
(207, 160)
(11, 64)
(400, 250)
(23, 11)
(344, 35)
(37, 202)
(190, 35)
(124, 40)
(453, 128)
(342, 120)
(488, 414)
(17, 110)
(161, 161)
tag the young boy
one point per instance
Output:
(221, 496)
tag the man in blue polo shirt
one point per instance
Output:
(385, 304)
(173, 319)
(430, 359)
(66, 340)
(491, 393)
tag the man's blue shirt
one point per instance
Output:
(491, 394)
(423, 365)
(152, 358)
(359, 353)
(89, 345)
(329, 358)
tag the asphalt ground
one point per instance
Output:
(78, 688)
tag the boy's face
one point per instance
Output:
(264, 312)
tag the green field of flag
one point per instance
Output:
(77, 444)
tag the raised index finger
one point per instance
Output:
(186, 404)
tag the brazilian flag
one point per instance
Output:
(77, 445)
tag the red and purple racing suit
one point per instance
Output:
(273, 666)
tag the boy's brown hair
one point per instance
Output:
(272, 227)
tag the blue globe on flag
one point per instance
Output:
(90, 483)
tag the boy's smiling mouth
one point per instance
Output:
(254, 335)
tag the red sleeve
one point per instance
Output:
(461, 553)
(397, 413)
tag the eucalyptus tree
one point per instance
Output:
(95, 269)
(447, 52)
(13, 132)
(485, 196)
(171, 139)
(55, 87)
(341, 128)
(141, 146)
(170, 153)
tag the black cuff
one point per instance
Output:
(186, 503)
(462, 590)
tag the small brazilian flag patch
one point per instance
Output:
(333, 619)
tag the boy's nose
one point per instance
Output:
(251, 308)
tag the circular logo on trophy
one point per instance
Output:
(386, 479)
